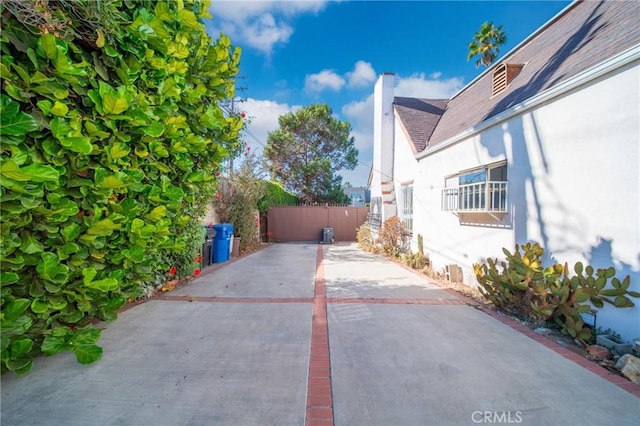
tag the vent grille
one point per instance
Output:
(503, 75)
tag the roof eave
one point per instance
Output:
(626, 57)
(518, 46)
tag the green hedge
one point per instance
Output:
(276, 195)
(111, 137)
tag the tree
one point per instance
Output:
(486, 43)
(252, 164)
(308, 150)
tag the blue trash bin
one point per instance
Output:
(222, 242)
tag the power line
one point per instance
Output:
(255, 138)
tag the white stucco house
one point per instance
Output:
(543, 146)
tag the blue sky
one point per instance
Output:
(296, 53)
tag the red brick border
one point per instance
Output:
(327, 300)
(223, 299)
(319, 398)
(205, 271)
(396, 301)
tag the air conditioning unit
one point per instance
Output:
(327, 236)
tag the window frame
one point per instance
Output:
(475, 191)
(405, 212)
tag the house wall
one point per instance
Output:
(405, 168)
(574, 187)
(210, 216)
(458, 239)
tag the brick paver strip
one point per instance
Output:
(224, 299)
(396, 301)
(319, 397)
(337, 300)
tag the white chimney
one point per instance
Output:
(383, 130)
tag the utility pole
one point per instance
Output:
(233, 111)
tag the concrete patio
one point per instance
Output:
(303, 334)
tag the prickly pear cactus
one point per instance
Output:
(522, 287)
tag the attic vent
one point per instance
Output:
(503, 75)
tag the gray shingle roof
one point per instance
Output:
(419, 117)
(585, 35)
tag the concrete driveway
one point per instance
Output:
(303, 334)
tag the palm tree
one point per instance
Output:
(486, 43)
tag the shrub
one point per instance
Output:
(393, 237)
(416, 260)
(610, 334)
(365, 239)
(242, 216)
(237, 203)
(276, 195)
(523, 287)
(238, 207)
(111, 137)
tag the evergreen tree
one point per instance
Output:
(308, 150)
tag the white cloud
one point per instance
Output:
(325, 79)
(259, 24)
(263, 115)
(265, 32)
(360, 115)
(432, 87)
(237, 10)
(362, 75)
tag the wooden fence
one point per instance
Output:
(306, 223)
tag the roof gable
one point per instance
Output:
(587, 34)
(419, 117)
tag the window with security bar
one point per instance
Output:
(478, 190)
(406, 207)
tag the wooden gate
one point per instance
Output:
(306, 223)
